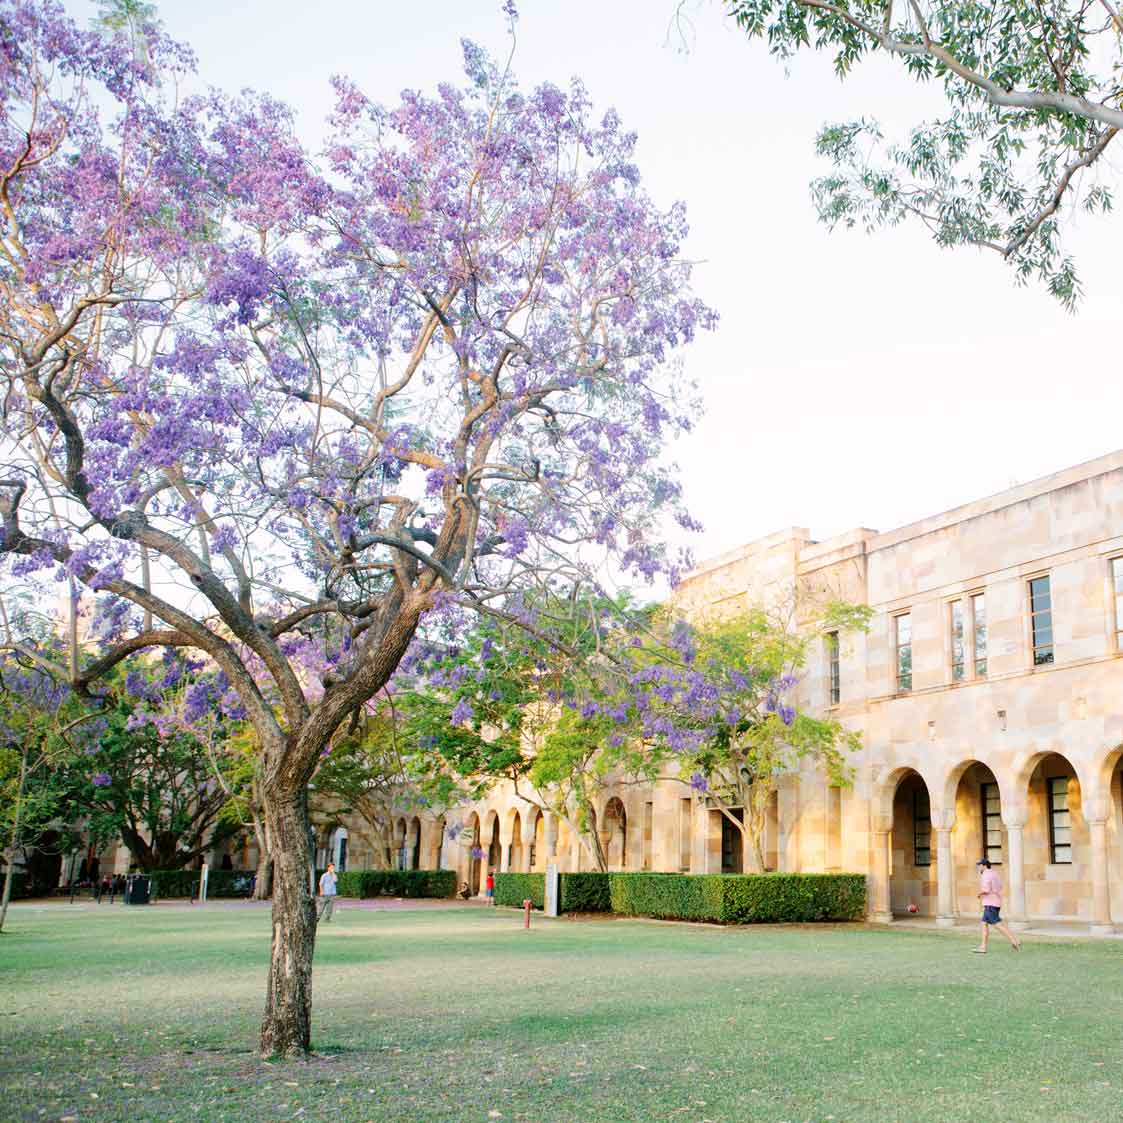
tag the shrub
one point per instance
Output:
(768, 898)
(514, 888)
(672, 895)
(174, 883)
(777, 898)
(584, 892)
(397, 883)
(577, 892)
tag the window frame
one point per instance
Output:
(834, 669)
(956, 608)
(917, 794)
(1052, 812)
(975, 600)
(1041, 654)
(1115, 580)
(989, 815)
(899, 676)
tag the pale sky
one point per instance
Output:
(854, 380)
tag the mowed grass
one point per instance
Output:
(458, 1014)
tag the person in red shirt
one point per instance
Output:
(490, 887)
(990, 896)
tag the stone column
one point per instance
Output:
(943, 820)
(1014, 822)
(1101, 899)
(528, 825)
(550, 837)
(880, 907)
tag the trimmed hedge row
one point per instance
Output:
(397, 883)
(185, 883)
(763, 898)
(578, 892)
(514, 888)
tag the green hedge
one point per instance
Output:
(182, 884)
(397, 883)
(578, 892)
(766, 898)
(584, 892)
(174, 883)
(514, 888)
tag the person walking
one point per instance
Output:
(327, 892)
(489, 887)
(990, 896)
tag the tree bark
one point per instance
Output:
(263, 882)
(11, 853)
(286, 1029)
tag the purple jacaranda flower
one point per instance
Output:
(786, 713)
(476, 852)
(101, 779)
(699, 783)
(462, 713)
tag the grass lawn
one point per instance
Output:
(458, 1014)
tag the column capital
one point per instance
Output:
(943, 818)
(1014, 818)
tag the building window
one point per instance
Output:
(958, 643)
(833, 667)
(992, 822)
(921, 829)
(902, 626)
(1041, 620)
(979, 620)
(1060, 827)
(1117, 592)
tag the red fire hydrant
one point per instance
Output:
(526, 909)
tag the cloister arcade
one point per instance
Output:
(1051, 825)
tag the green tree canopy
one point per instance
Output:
(1033, 104)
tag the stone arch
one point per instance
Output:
(399, 844)
(1059, 799)
(614, 833)
(491, 842)
(340, 841)
(536, 859)
(515, 856)
(473, 829)
(976, 803)
(902, 869)
(413, 844)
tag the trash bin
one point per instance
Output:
(137, 889)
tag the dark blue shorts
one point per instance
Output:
(990, 914)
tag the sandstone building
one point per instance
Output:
(988, 693)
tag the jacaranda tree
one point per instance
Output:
(278, 407)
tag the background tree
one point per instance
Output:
(320, 399)
(153, 786)
(711, 704)
(503, 705)
(34, 720)
(1033, 92)
(368, 771)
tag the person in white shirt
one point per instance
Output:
(327, 892)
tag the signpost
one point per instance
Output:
(551, 889)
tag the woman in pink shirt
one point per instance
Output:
(990, 894)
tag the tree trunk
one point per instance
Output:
(7, 889)
(11, 854)
(263, 882)
(286, 1029)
